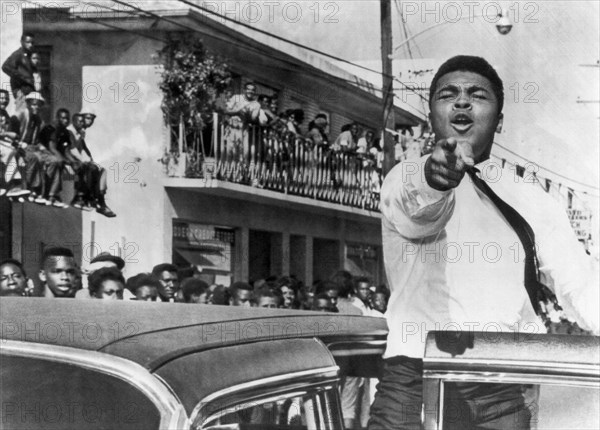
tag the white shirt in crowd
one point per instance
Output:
(454, 262)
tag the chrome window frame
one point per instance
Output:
(439, 371)
(216, 404)
(172, 412)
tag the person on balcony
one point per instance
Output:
(243, 110)
(19, 69)
(316, 131)
(91, 177)
(346, 141)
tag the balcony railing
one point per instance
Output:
(260, 157)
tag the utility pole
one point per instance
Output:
(388, 120)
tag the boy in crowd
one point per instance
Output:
(144, 287)
(107, 284)
(58, 273)
(19, 69)
(194, 291)
(13, 280)
(39, 162)
(240, 294)
(91, 178)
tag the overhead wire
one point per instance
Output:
(256, 50)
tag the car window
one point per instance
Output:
(43, 394)
(309, 410)
(540, 407)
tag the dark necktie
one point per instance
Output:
(526, 236)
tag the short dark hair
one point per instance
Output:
(140, 280)
(250, 83)
(56, 251)
(96, 279)
(240, 286)
(3, 91)
(192, 286)
(14, 262)
(164, 267)
(27, 34)
(361, 280)
(75, 115)
(469, 63)
(62, 110)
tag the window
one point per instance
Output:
(311, 409)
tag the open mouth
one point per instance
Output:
(461, 122)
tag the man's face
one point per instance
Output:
(379, 302)
(465, 107)
(363, 292)
(250, 92)
(88, 120)
(354, 130)
(267, 302)
(34, 106)
(60, 274)
(110, 290)
(63, 119)
(288, 296)
(146, 293)
(12, 280)
(242, 298)
(170, 284)
(27, 43)
(4, 99)
(78, 122)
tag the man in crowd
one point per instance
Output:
(265, 298)
(13, 280)
(92, 173)
(240, 294)
(58, 273)
(55, 140)
(169, 281)
(144, 287)
(35, 155)
(100, 261)
(107, 284)
(194, 291)
(19, 69)
(430, 291)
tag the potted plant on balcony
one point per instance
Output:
(192, 80)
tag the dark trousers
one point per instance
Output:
(398, 401)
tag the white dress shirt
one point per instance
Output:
(454, 262)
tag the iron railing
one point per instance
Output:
(261, 157)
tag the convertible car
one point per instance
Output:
(91, 364)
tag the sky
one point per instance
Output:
(541, 61)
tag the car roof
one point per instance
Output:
(152, 334)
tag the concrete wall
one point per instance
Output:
(127, 139)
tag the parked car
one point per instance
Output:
(560, 375)
(89, 364)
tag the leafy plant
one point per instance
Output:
(192, 81)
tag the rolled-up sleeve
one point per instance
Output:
(414, 208)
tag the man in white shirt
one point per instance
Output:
(454, 262)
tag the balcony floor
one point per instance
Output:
(269, 197)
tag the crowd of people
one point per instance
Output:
(250, 109)
(61, 277)
(34, 155)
